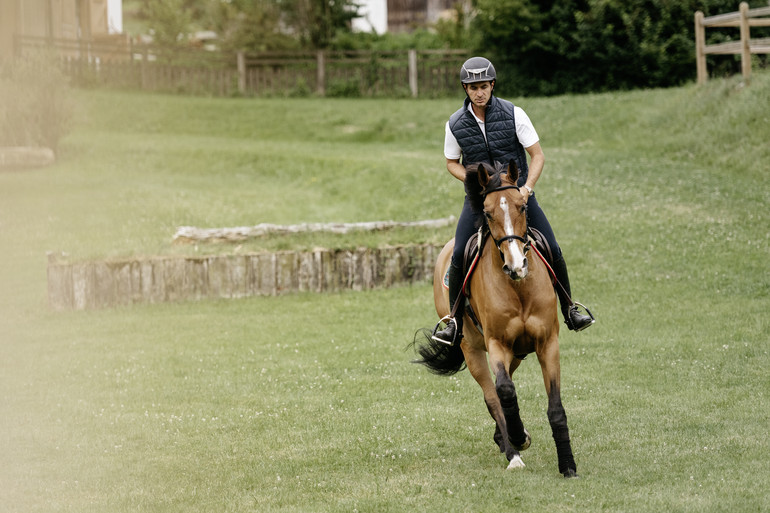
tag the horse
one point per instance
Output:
(514, 303)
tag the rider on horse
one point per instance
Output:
(490, 129)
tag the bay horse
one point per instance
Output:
(514, 303)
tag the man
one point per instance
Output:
(489, 129)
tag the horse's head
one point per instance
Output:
(493, 192)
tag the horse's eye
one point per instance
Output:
(487, 215)
(523, 208)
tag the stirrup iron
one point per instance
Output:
(584, 307)
(445, 320)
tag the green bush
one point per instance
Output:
(344, 88)
(576, 46)
(36, 109)
(301, 89)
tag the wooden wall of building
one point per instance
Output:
(56, 19)
(407, 15)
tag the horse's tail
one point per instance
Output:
(439, 358)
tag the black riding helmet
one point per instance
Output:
(477, 69)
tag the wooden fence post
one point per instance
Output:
(320, 73)
(745, 42)
(700, 47)
(143, 68)
(413, 72)
(241, 72)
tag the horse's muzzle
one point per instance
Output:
(518, 273)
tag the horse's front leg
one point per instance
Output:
(509, 401)
(476, 360)
(516, 435)
(519, 438)
(557, 417)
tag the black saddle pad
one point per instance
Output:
(471, 249)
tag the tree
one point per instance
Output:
(169, 21)
(251, 25)
(551, 47)
(316, 22)
(255, 25)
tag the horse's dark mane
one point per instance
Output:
(473, 187)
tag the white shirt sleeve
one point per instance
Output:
(525, 131)
(451, 148)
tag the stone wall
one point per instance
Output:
(100, 284)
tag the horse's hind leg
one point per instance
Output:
(557, 417)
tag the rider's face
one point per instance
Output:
(479, 92)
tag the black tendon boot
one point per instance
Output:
(574, 320)
(453, 332)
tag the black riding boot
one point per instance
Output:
(574, 320)
(453, 332)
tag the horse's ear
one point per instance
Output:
(513, 171)
(483, 177)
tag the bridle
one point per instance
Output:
(524, 240)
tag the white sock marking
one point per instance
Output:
(516, 462)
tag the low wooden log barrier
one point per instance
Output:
(100, 284)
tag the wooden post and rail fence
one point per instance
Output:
(744, 19)
(119, 62)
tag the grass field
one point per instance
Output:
(308, 403)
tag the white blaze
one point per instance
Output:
(517, 257)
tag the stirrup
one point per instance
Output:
(445, 320)
(584, 307)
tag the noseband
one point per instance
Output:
(525, 240)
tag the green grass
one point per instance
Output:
(308, 402)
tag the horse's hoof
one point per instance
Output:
(526, 444)
(515, 462)
(570, 473)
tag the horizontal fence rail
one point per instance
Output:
(119, 62)
(744, 19)
(103, 284)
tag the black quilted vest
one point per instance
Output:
(501, 145)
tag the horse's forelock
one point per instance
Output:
(498, 176)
